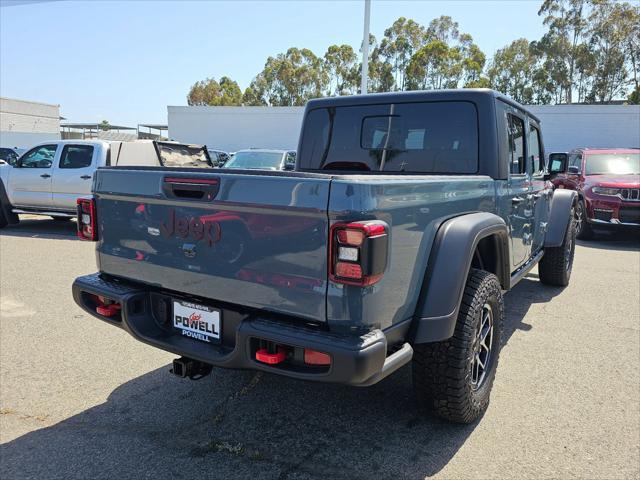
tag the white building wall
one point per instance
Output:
(232, 128)
(24, 123)
(235, 128)
(569, 126)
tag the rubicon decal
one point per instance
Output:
(193, 227)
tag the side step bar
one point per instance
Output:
(39, 212)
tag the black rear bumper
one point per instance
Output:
(355, 360)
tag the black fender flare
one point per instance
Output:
(448, 268)
(5, 206)
(559, 215)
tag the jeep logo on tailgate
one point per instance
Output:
(192, 227)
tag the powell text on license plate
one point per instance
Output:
(197, 321)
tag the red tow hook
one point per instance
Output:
(264, 356)
(108, 310)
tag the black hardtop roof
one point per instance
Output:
(460, 94)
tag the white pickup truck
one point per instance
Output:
(48, 178)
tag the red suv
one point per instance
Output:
(607, 182)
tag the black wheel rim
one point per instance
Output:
(568, 251)
(481, 354)
(579, 217)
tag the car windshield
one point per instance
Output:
(178, 155)
(256, 160)
(613, 163)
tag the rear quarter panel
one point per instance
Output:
(413, 207)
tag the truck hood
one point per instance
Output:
(619, 181)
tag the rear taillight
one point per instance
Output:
(87, 225)
(358, 252)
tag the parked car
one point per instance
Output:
(218, 157)
(48, 178)
(9, 155)
(608, 186)
(392, 242)
(263, 159)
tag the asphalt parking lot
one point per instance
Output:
(80, 399)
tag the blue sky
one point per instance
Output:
(126, 61)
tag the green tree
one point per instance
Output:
(290, 78)
(567, 22)
(104, 125)
(401, 40)
(609, 29)
(448, 59)
(214, 93)
(341, 66)
(512, 71)
(380, 77)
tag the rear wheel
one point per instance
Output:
(557, 262)
(583, 229)
(3, 219)
(455, 377)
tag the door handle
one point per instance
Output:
(517, 200)
(85, 177)
(45, 175)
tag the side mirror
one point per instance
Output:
(557, 163)
(289, 166)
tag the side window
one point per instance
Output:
(517, 164)
(39, 157)
(76, 156)
(534, 150)
(575, 160)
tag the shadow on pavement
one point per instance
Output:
(241, 424)
(42, 227)
(623, 240)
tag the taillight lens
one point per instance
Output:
(87, 225)
(358, 252)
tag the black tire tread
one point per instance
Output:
(440, 370)
(552, 268)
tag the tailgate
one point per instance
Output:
(252, 240)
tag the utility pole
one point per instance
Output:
(365, 47)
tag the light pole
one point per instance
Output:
(365, 47)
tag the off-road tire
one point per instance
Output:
(3, 219)
(442, 376)
(583, 229)
(556, 264)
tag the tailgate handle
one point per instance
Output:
(191, 188)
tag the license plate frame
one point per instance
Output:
(196, 321)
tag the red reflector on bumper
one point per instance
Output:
(313, 357)
(264, 356)
(108, 310)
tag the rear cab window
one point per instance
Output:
(76, 156)
(414, 137)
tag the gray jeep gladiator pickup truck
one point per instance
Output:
(406, 219)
